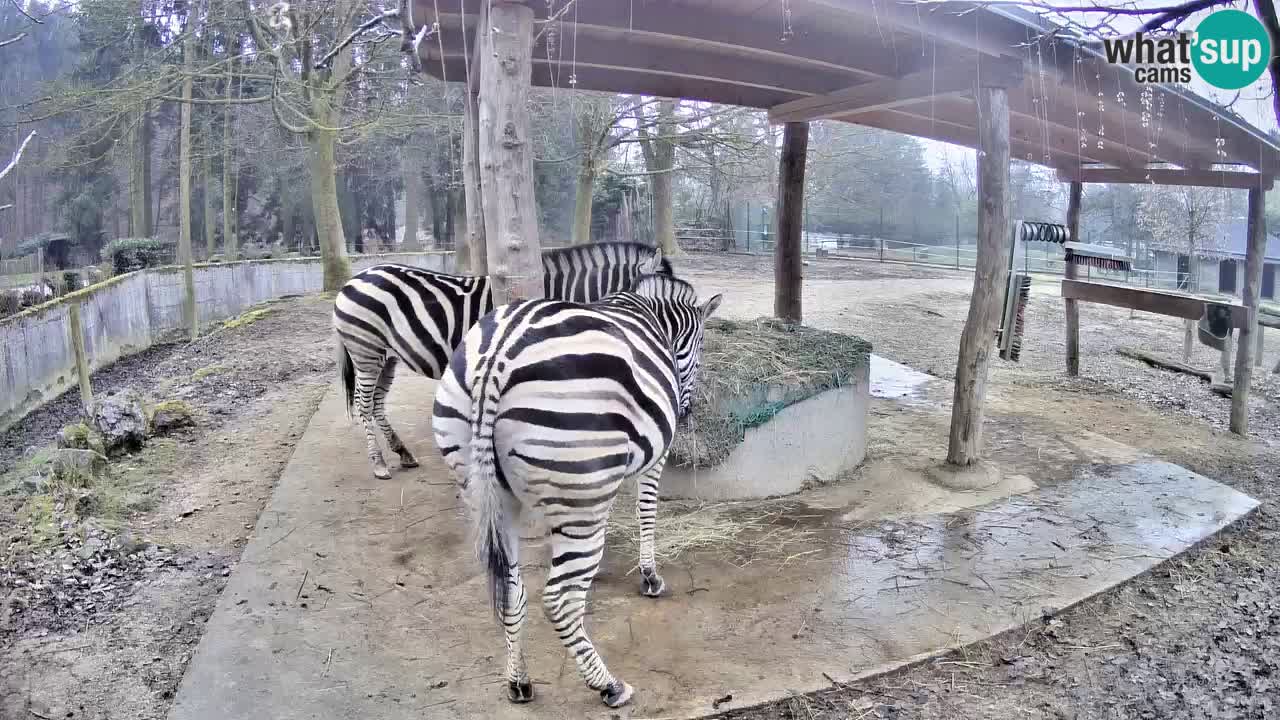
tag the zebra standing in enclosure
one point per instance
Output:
(394, 313)
(553, 405)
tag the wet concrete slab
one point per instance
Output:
(359, 598)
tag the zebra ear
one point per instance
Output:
(711, 305)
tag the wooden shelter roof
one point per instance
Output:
(881, 63)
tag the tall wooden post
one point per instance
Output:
(506, 154)
(788, 268)
(1252, 298)
(989, 276)
(1069, 271)
(82, 362)
(472, 197)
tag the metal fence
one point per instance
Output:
(1044, 258)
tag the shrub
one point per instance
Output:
(71, 281)
(129, 254)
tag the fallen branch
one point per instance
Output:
(16, 156)
(13, 39)
(1165, 364)
(1222, 389)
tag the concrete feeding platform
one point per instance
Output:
(359, 598)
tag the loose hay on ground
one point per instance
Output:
(736, 531)
(750, 372)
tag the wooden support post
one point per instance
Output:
(787, 263)
(990, 268)
(506, 154)
(1257, 353)
(1069, 271)
(1252, 298)
(477, 253)
(1226, 358)
(82, 362)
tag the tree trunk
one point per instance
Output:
(1251, 296)
(184, 194)
(324, 201)
(449, 212)
(140, 177)
(477, 250)
(1069, 271)
(230, 243)
(989, 275)
(506, 155)
(459, 225)
(411, 172)
(206, 191)
(438, 211)
(582, 203)
(787, 264)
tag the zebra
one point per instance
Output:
(554, 405)
(391, 314)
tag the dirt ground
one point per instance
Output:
(1198, 637)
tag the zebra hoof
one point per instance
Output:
(519, 692)
(381, 472)
(652, 585)
(617, 694)
(408, 461)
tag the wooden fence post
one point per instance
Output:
(506, 154)
(477, 253)
(978, 338)
(82, 362)
(787, 262)
(1069, 272)
(1252, 298)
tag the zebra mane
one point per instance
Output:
(665, 287)
(640, 249)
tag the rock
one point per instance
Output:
(88, 504)
(171, 415)
(34, 485)
(78, 468)
(121, 419)
(80, 436)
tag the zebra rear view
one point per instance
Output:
(391, 314)
(553, 405)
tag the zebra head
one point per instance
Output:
(656, 264)
(684, 320)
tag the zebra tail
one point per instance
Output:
(493, 530)
(347, 371)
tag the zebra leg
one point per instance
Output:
(385, 378)
(576, 547)
(519, 688)
(651, 583)
(366, 383)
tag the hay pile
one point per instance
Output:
(738, 532)
(750, 372)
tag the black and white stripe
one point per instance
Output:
(553, 405)
(391, 314)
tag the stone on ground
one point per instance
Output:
(121, 419)
(171, 415)
(80, 436)
(78, 468)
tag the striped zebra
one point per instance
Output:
(393, 313)
(553, 405)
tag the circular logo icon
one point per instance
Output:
(1231, 49)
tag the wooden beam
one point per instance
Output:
(1160, 302)
(605, 78)
(788, 266)
(1168, 176)
(1072, 308)
(951, 78)
(506, 155)
(1252, 299)
(965, 444)
(708, 28)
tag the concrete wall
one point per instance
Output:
(131, 312)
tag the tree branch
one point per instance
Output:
(16, 156)
(13, 39)
(22, 10)
(364, 27)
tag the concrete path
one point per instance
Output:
(360, 599)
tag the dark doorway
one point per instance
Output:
(1269, 281)
(1227, 277)
(1184, 272)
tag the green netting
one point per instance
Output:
(750, 372)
